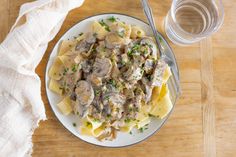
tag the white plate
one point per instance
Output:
(123, 139)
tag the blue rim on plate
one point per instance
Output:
(171, 56)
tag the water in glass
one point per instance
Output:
(189, 21)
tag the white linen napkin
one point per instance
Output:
(21, 106)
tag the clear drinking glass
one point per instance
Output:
(189, 21)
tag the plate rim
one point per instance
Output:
(45, 81)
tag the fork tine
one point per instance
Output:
(175, 83)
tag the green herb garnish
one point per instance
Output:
(127, 120)
(129, 53)
(93, 50)
(74, 67)
(65, 71)
(130, 133)
(88, 124)
(113, 83)
(150, 115)
(96, 120)
(97, 92)
(81, 34)
(149, 45)
(141, 129)
(136, 48)
(160, 39)
(149, 77)
(102, 23)
(74, 124)
(112, 19)
(107, 97)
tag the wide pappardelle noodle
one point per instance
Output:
(112, 78)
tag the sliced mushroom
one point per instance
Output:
(86, 66)
(114, 103)
(133, 73)
(84, 94)
(82, 46)
(157, 76)
(149, 65)
(148, 89)
(102, 67)
(89, 52)
(115, 99)
(151, 44)
(95, 109)
(139, 60)
(96, 81)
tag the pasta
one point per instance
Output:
(65, 106)
(112, 79)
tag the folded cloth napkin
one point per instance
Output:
(21, 106)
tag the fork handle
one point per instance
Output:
(149, 15)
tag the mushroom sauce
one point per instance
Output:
(109, 74)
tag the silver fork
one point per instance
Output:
(174, 80)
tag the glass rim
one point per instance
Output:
(200, 35)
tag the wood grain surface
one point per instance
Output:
(203, 123)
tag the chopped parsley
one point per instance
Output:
(74, 67)
(134, 50)
(127, 120)
(93, 50)
(149, 45)
(113, 83)
(129, 53)
(149, 77)
(74, 124)
(130, 109)
(107, 97)
(130, 133)
(150, 115)
(81, 34)
(112, 19)
(141, 129)
(160, 39)
(96, 120)
(65, 71)
(97, 92)
(102, 23)
(88, 124)
(136, 47)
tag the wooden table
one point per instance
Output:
(204, 120)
